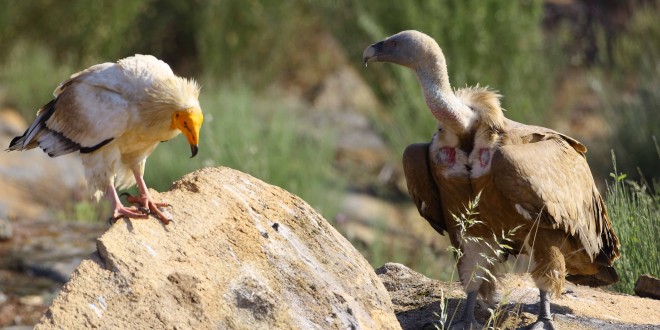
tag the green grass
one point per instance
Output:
(260, 136)
(635, 213)
(29, 76)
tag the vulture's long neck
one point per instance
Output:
(441, 100)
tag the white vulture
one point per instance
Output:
(537, 194)
(115, 114)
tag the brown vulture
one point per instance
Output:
(536, 193)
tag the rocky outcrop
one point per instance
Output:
(241, 254)
(423, 303)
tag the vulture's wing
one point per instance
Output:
(547, 177)
(421, 185)
(89, 110)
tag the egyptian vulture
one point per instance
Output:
(115, 114)
(537, 194)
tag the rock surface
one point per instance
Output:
(648, 286)
(417, 303)
(242, 254)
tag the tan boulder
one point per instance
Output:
(242, 255)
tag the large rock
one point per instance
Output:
(242, 254)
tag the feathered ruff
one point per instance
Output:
(485, 102)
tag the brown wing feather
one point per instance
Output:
(550, 179)
(421, 185)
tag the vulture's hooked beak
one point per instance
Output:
(194, 149)
(371, 53)
(189, 122)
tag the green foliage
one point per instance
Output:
(80, 29)
(262, 137)
(634, 211)
(85, 211)
(629, 89)
(29, 77)
(493, 43)
(255, 39)
(639, 49)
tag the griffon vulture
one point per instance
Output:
(115, 114)
(537, 194)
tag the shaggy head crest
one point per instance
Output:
(175, 91)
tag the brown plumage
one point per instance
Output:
(537, 194)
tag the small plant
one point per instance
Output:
(498, 245)
(634, 210)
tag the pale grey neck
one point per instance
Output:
(440, 98)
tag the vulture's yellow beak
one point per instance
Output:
(189, 122)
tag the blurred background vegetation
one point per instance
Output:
(588, 68)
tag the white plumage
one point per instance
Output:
(115, 114)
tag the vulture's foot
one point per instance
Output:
(128, 212)
(159, 212)
(541, 325)
(142, 200)
(466, 324)
(467, 320)
(150, 207)
(544, 321)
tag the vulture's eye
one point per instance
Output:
(391, 43)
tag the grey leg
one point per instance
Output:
(467, 319)
(544, 306)
(544, 321)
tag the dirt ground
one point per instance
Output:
(419, 301)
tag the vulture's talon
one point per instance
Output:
(112, 220)
(162, 205)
